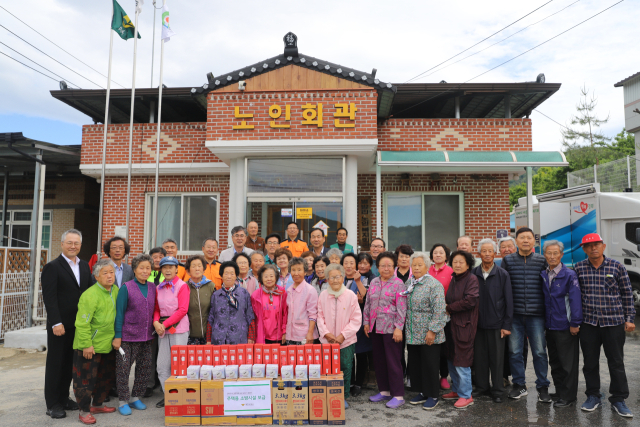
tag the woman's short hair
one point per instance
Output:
(349, 255)
(362, 256)
(307, 254)
(266, 268)
(241, 255)
(282, 251)
(229, 264)
(422, 255)
(192, 258)
(468, 258)
(257, 253)
(298, 261)
(107, 245)
(404, 249)
(444, 247)
(332, 267)
(321, 259)
(100, 265)
(135, 262)
(334, 252)
(387, 254)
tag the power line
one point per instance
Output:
(559, 124)
(42, 35)
(486, 38)
(50, 57)
(37, 71)
(490, 46)
(509, 60)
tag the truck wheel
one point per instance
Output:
(635, 287)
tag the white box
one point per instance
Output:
(287, 372)
(206, 372)
(218, 372)
(244, 371)
(258, 371)
(271, 371)
(315, 371)
(231, 372)
(193, 372)
(301, 372)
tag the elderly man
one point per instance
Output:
(341, 237)
(272, 244)
(295, 245)
(116, 248)
(212, 267)
(465, 243)
(608, 312)
(506, 246)
(317, 239)
(495, 317)
(563, 316)
(239, 238)
(64, 279)
(171, 247)
(524, 268)
(377, 247)
(254, 241)
(156, 275)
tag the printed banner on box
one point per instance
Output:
(247, 398)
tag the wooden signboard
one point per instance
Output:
(364, 222)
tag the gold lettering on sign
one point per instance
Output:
(275, 112)
(347, 111)
(312, 114)
(244, 124)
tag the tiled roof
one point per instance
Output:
(623, 81)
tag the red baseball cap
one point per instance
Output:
(591, 238)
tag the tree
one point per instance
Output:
(624, 144)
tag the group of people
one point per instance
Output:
(470, 319)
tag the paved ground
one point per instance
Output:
(22, 403)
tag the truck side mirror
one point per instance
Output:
(638, 237)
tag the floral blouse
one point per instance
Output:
(425, 310)
(385, 307)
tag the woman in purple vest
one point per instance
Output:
(133, 334)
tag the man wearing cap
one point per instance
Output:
(608, 313)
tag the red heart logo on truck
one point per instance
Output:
(583, 207)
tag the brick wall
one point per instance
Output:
(63, 220)
(455, 134)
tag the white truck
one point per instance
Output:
(567, 215)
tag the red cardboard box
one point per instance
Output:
(291, 355)
(257, 354)
(248, 354)
(240, 352)
(283, 357)
(317, 354)
(175, 360)
(300, 357)
(224, 355)
(208, 355)
(184, 360)
(326, 359)
(275, 354)
(233, 353)
(191, 354)
(335, 364)
(266, 354)
(308, 354)
(199, 354)
(217, 357)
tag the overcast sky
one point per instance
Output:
(399, 38)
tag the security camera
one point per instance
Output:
(242, 85)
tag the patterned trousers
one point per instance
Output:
(346, 365)
(140, 353)
(92, 378)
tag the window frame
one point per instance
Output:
(10, 222)
(149, 207)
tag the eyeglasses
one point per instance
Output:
(336, 279)
(73, 243)
(239, 235)
(272, 243)
(377, 247)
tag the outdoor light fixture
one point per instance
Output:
(63, 85)
(540, 78)
(455, 179)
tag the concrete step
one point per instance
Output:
(33, 338)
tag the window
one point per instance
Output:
(630, 232)
(440, 214)
(404, 220)
(186, 218)
(311, 175)
(17, 231)
(22, 216)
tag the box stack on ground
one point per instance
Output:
(255, 384)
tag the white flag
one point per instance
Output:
(167, 32)
(139, 4)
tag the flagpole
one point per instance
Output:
(153, 46)
(133, 98)
(155, 197)
(104, 147)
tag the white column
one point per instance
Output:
(237, 195)
(378, 201)
(529, 197)
(350, 201)
(637, 135)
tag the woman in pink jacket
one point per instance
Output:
(269, 304)
(339, 319)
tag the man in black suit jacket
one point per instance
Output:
(63, 281)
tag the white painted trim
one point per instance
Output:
(484, 165)
(210, 168)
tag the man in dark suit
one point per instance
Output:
(117, 248)
(63, 281)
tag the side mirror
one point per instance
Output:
(638, 237)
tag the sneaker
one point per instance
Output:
(395, 403)
(418, 399)
(561, 403)
(124, 410)
(444, 384)
(430, 403)
(592, 403)
(543, 395)
(346, 405)
(138, 405)
(622, 409)
(463, 403)
(451, 396)
(379, 398)
(518, 391)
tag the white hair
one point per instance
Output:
(72, 231)
(334, 251)
(105, 262)
(332, 267)
(487, 241)
(507, 239)
(552, 243)
(423, 255)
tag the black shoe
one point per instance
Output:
(554, 396)
(157, 384)
(113, 392)
(561, 403)
(160, 404)
(518, 391)
(478, 393)
(148, 392)
(497, 399)
(356, 391)
(70, 405)
(543, 395)
(56, 411)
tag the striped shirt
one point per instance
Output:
(607, 298)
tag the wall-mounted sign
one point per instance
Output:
(311, 114)
(286, 213)
(322, 226)
(364, 222)
(304, 213)
(501, 234)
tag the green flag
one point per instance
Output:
(121, 23)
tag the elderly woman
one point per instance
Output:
(339, 318)
(309, 257)
(563, 316)
(269, 304)
(384, 317)
(93, 359)
(245, 279)
(257, 261)
(403, 271)
(134, 334)
(426, 319)
(282, 258)
(495, 317)
(462, 307)
(319, 282)
(200, 291)
(302, 306)
(334, 255)
(231, 316)
(364, 357)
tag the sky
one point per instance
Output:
(400, 38)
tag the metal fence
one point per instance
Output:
(614, 176)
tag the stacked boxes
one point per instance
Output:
(182, 402)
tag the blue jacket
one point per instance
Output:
(562, 299)
(526, 282)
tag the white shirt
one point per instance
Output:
(75, 267)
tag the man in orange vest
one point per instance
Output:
(212, 267)
(295, 245)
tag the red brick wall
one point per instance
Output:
(221, 114)
(455, 134)
(486, 200)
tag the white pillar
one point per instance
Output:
(529, 197)
(237, 195)
(350, 201)
(378, 201)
